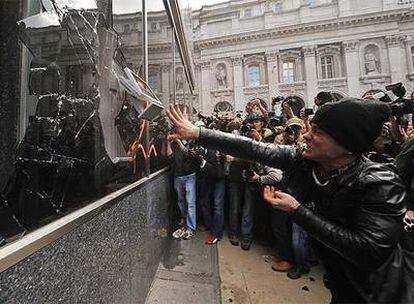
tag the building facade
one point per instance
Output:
(246, 49)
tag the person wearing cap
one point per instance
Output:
(258, 122)
(352, 208)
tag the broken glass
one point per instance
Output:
(85, 138)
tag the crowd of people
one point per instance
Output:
(333, 183)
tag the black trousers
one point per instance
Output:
(282, 233)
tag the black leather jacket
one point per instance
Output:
(355, 220)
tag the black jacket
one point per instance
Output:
(356, 220)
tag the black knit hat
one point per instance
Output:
(353, 123)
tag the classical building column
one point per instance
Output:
(352, 66)
(165, 83)
(394, 55)
(238, 82)
(206, 106)
(310, 74)
(272, 72)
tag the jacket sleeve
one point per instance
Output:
(271, 176)
(373, 232)
(278, 156)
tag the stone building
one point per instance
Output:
(245, 49)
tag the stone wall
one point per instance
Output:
(110, 259)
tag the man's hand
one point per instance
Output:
(409, 221)
(229, 158)
(280, 200)
(183, 127)
(255, 178)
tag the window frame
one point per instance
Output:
(291, 73)
(327, 68)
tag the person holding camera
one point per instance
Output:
(351, 207)
(212, 177)
(184, 167)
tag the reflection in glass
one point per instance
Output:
(85, 137)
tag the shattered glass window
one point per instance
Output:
(86, 110)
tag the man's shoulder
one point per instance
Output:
(373, 172)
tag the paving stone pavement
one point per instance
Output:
(247, 278)
(194, 273)
(188, 274)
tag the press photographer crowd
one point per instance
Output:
(332, 184)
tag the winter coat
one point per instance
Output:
(355, 220)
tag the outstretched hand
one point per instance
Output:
(280, 200)
(184, 129)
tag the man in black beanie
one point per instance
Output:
(351, 207)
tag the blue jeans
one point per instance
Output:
(251, 196)
(300, 242)
(185, 186)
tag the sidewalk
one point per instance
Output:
(247, 278)
(191, 271)
(188, 274)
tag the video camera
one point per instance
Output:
(401, 105)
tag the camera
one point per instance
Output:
(309, 111)
(275, 121)
(247, 174)
(401, 105)
(197, 151)
(246, 128)
(277, 99)
(208, 120)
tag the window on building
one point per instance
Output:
(327, 67)
(248, 12)
(127, 28)
(289, 72)
(309, 2)
(277, 7)
(404, 1)
(253, 75)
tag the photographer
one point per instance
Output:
(350, 206)
(184, 167)
(213, 181)
(257, 123)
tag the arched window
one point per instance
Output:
(289, 72)
(253, 75)
(327, 66)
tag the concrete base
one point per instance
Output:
(110, 259)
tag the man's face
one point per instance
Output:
(321, 147)
(257, 125)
